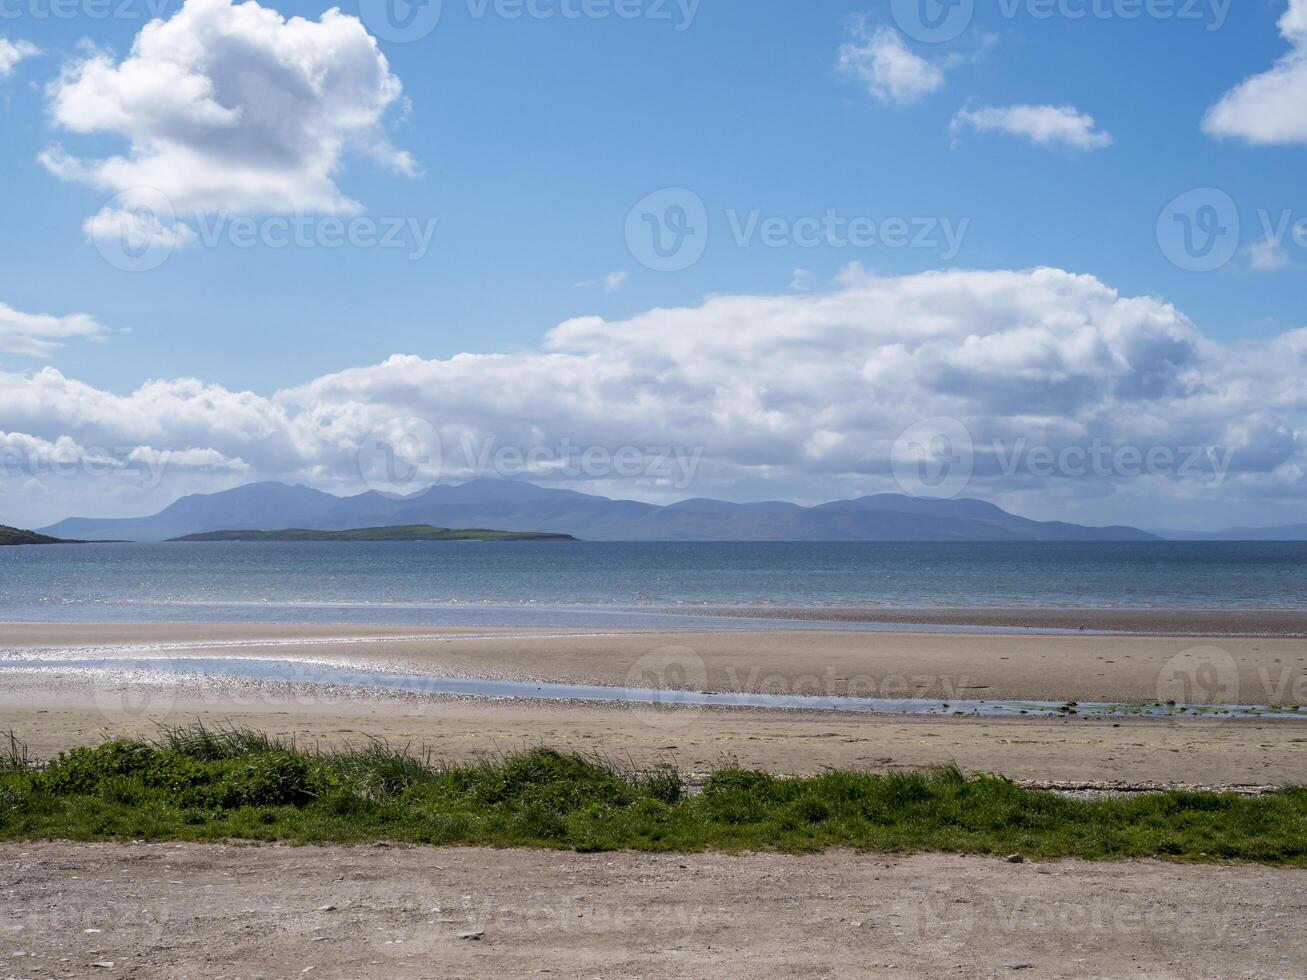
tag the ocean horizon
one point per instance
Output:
(577, 584)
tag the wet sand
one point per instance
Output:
(1118, 669)
(53, 711)
(1180, 622)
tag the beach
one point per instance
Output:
(237, 911)
(54, 709)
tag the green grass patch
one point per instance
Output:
(198, 784)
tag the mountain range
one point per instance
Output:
(513, 505)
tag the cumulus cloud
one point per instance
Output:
(890, 71)
(1267, 108)
(1043, 125)
(230, 107)
(40, 335)
(797, 395)
(12, 52)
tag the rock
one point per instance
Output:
(1020, 965)
(471, 936)
(103, 964)
(327, 908)
(1016, 859)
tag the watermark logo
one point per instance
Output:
(667, 674)
(933, 458)
(136, 230)
(136, 694)
(1200, 675)
(401, 457)
(1199, 230)
(933, 21)
(667, 231)
(401, 21)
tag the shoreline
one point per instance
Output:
(1049, 620)
(1120, 621)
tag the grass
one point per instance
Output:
(201, 784)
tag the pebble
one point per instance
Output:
(1020, 965)
(327, 908)
(103, 964)
(1016, 859)
(471, 936)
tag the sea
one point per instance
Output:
(662, 585)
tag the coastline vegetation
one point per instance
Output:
(198, 784)
(408, 532)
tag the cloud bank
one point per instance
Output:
(795, 395)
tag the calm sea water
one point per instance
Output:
(579, 584)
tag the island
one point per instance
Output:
(13, 535)
(409, 532)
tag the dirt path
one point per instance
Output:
(223, 911)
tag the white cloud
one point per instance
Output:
(40, 335)
(138, 230)
(1267, 256)
(232, 107)
(12, 52)
(1044, 125)
(1268, 108)
(890, 71)
(794, 395)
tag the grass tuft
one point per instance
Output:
(218, 784)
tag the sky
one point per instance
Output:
(1048, 253)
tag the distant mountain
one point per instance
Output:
(12, 535)
(412, 532)
(518, 506)
(1285, 532)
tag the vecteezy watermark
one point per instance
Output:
(401, 457)
(1209, 675)
(674, 467)
(669, 230)
(661, 684)
(407, 455)
(405, 21)
(138, 230)
(938, 21)
(143, 467)
(945, 918)
(136, 692)
(85, 9)
(410, 235)
(933, 458)
(1199, 230)
(938, 457)
(1202, 230)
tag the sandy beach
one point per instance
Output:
(52, 710)
(184, 910)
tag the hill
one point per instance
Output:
(12, 535)
(518, 506)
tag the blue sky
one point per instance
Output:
(531, 140)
